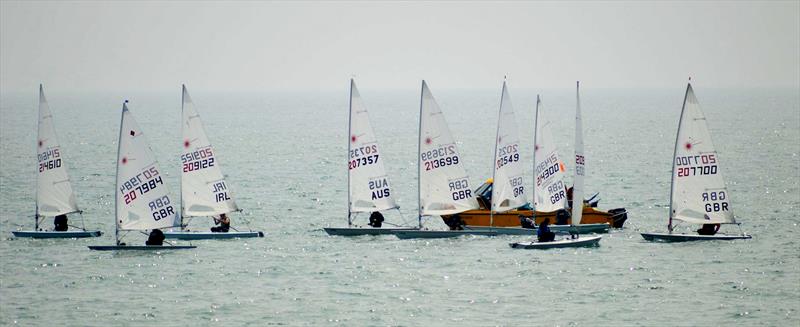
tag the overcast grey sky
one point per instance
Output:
(94, 45)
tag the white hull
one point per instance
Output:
(667, 237)
(210, 235)
(54, 234)
(558, 229)
(441, 233)
(140, 247)
(564, 243)
(358, 231)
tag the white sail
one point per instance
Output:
(699, 194)
(508, 191)
(369, 186)
(54, 195)
(549, 193)
(443, 183)
(142, 197)
(204, 191)
(580, 162)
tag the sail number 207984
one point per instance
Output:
(143, 182)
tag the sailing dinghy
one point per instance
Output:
(577, 209)
(443, 184)
(549, 192)
(142, 201)
(586, 241)
(368, 185)
(580, 167)
(204, 191)
(698, 194)
(54, 194)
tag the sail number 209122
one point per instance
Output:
(197, 160)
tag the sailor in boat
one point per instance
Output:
(544, 234)
(454, 222)
(708, 229)
(156, 238)
(376, 219)
(562, 217)
(526, 222)
(60, 223)
(224, 224)
(569, 196)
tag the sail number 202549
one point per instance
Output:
(507, 154)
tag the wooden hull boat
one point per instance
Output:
(558, 229)
(481, 217)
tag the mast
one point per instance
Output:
(535, 149)
(180, 180)
(580, 163)
(675, 152)
(419, 149)
(494, 161)
(36, 215)
(349, 136)
(116, 182)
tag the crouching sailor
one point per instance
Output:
(376, 219)
(156, 238)
(224, 224)
(544, 234)
(60, 223)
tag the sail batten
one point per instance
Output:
(369, 188)
(549, 193)
(54, 193)
(698, 194)
(443, 182)
(204, 191)
(142, 197)
(508, 191)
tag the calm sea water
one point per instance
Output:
(284, 156)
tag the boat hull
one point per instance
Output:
(559, 229)
(54, 234)
(590, 241)
(480, 217)
(358, 231)
(666, 237)
(441, 233)
(210, 235)
(504, 230)
(140, 247)
(580, 229)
